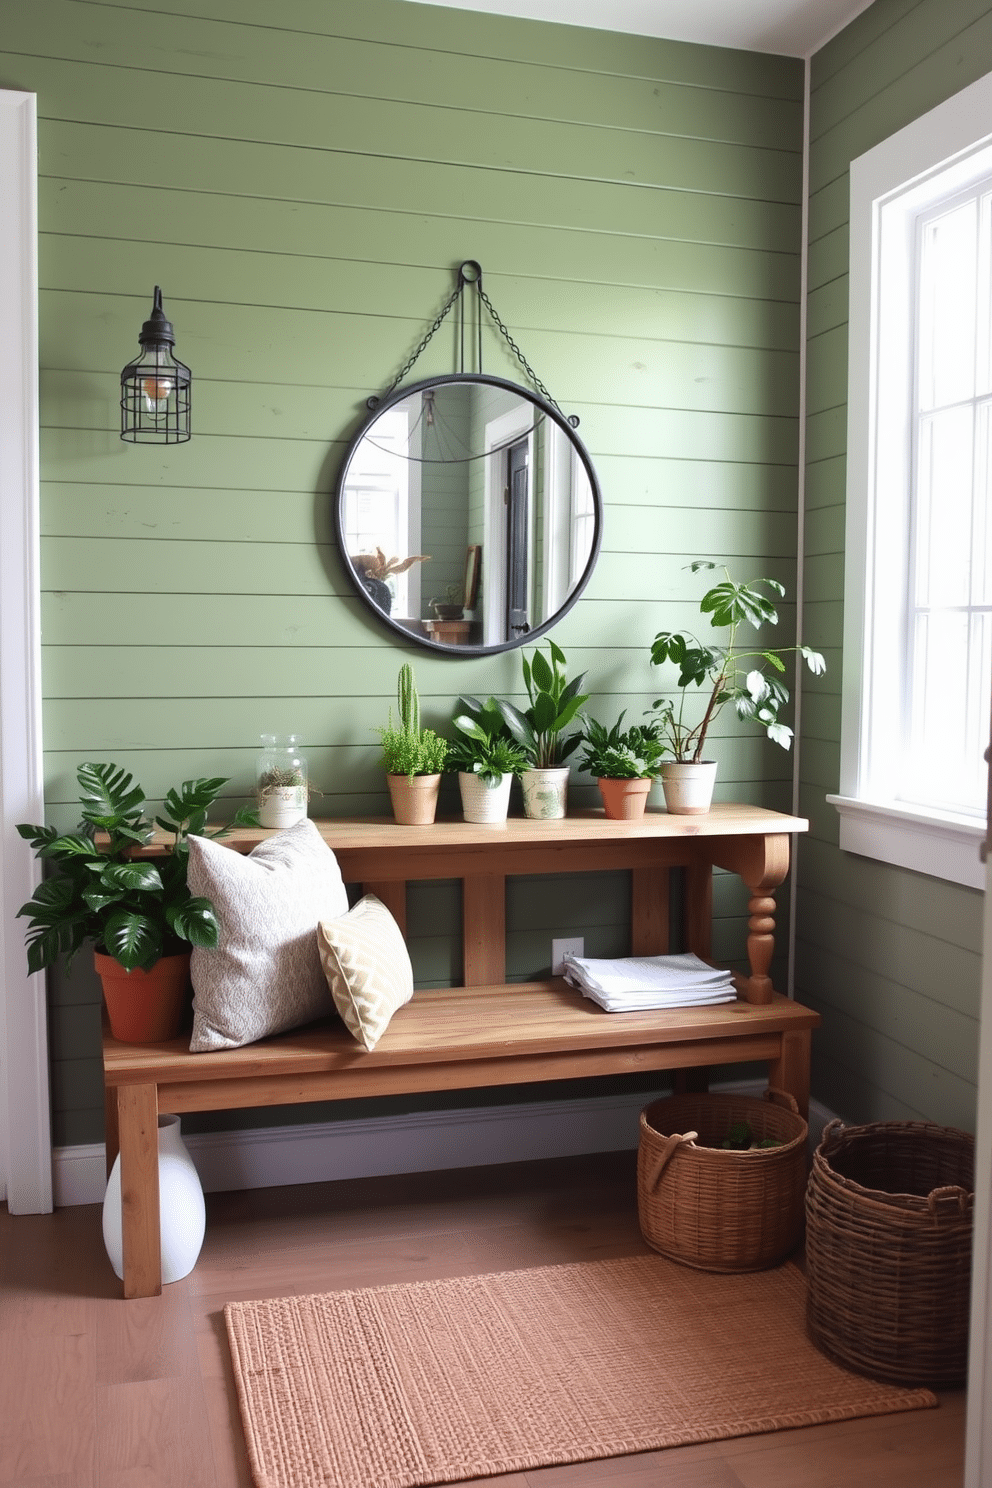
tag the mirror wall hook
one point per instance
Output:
(470, 278)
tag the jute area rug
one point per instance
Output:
(471, 1377)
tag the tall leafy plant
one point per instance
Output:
(748, 676)
(130, 908)
(539, 730)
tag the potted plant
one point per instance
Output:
(374, 569)
(626, 762)
(486, 759)
(452, 606)
(539, 730)
(139, 915)
(748, 676)
(414, 757)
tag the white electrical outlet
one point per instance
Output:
(572, 946)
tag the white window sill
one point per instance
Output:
(943, 845)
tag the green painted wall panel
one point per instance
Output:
(886, 62)
(378, 70)
(213, 108)
(387, 186)
(302, 185)
(341, 233)
(460, 33)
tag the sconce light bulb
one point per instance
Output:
(157, 391)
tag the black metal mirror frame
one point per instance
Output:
(549, 412)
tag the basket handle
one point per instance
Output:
(951, 1197)
(783, 1097)
(663, 1157)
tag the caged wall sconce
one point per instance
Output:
(155, 387)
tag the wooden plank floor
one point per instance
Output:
(101, 1393)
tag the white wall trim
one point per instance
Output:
(942, 845)
(25, 1123)
(425, 1142)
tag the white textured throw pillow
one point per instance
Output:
(367, 966)
(264, 976)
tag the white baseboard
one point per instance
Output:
(269, 1157)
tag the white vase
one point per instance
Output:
(688, 786)
(545, 793)
(183, 1218)
(484, 800)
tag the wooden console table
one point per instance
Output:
(487, 1032)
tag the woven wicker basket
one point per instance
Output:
(888, 1249)
(715, 1209)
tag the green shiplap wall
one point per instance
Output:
(890, 957)
(302, 181)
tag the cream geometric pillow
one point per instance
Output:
(367, 966)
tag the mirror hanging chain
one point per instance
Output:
(470, 274)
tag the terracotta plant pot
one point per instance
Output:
(624, 800)
(688, 787)
(144, 1007)
(414, 798)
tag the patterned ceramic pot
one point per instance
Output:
(545, 793)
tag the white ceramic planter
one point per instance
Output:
(545, 793)
(483, 800)
(182, 1214)
(688, 787)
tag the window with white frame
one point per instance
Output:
(918, 580)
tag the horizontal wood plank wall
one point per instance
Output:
(889, 957)
(302, 180)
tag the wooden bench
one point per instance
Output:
(487, 1032)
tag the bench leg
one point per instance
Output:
(790, 1071)
(649, 912)
(137, 1117)
(484, 929)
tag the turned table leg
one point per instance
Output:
(762, 863)
(137, 1119)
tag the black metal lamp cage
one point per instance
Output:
(155, 387)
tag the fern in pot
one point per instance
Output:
(137, 913)
(710, 676)
(625, 762)
(415, 758)
(486, 759)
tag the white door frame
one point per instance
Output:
(25, 1120)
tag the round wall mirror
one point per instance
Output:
(468, 514)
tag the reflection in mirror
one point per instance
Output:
(468, 513)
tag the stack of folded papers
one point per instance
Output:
(636, 982)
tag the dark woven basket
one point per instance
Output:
(888, 1250)
(715, 1209)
